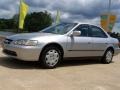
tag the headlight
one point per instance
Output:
(25, 42)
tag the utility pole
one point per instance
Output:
(109, 7)
(109, 13)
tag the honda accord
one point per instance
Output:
(65, 40)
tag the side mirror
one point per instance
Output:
(76, 33)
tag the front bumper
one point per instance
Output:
(25, 53)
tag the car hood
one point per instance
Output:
(30, 36)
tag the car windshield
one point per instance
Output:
(62, 28)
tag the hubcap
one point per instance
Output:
(52, 57)
(109, 56)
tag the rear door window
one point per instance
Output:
(97, 32)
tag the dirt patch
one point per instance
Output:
(71, 75)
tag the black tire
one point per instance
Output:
(46, 63)
(105, 59)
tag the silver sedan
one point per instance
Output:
(65, 40)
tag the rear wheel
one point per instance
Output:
(108, 56)
(51, 57)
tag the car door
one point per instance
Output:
(99, 40)
(80, 46)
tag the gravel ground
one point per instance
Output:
(1, 39)
(71, 75)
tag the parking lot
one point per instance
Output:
(70, 75)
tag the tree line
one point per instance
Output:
(34, 22)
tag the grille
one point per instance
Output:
(8, 52)
(8, 41)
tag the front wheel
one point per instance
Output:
(51, 57)
(108, 56)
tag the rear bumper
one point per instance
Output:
(25, 53)
(117, 51)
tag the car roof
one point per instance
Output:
(79, 23)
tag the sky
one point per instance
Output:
(86, 11)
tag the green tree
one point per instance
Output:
(37, 21)
(7, 24)
(3, 24)
(16, 19)
(34, 22)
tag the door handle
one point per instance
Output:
(89, 42)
